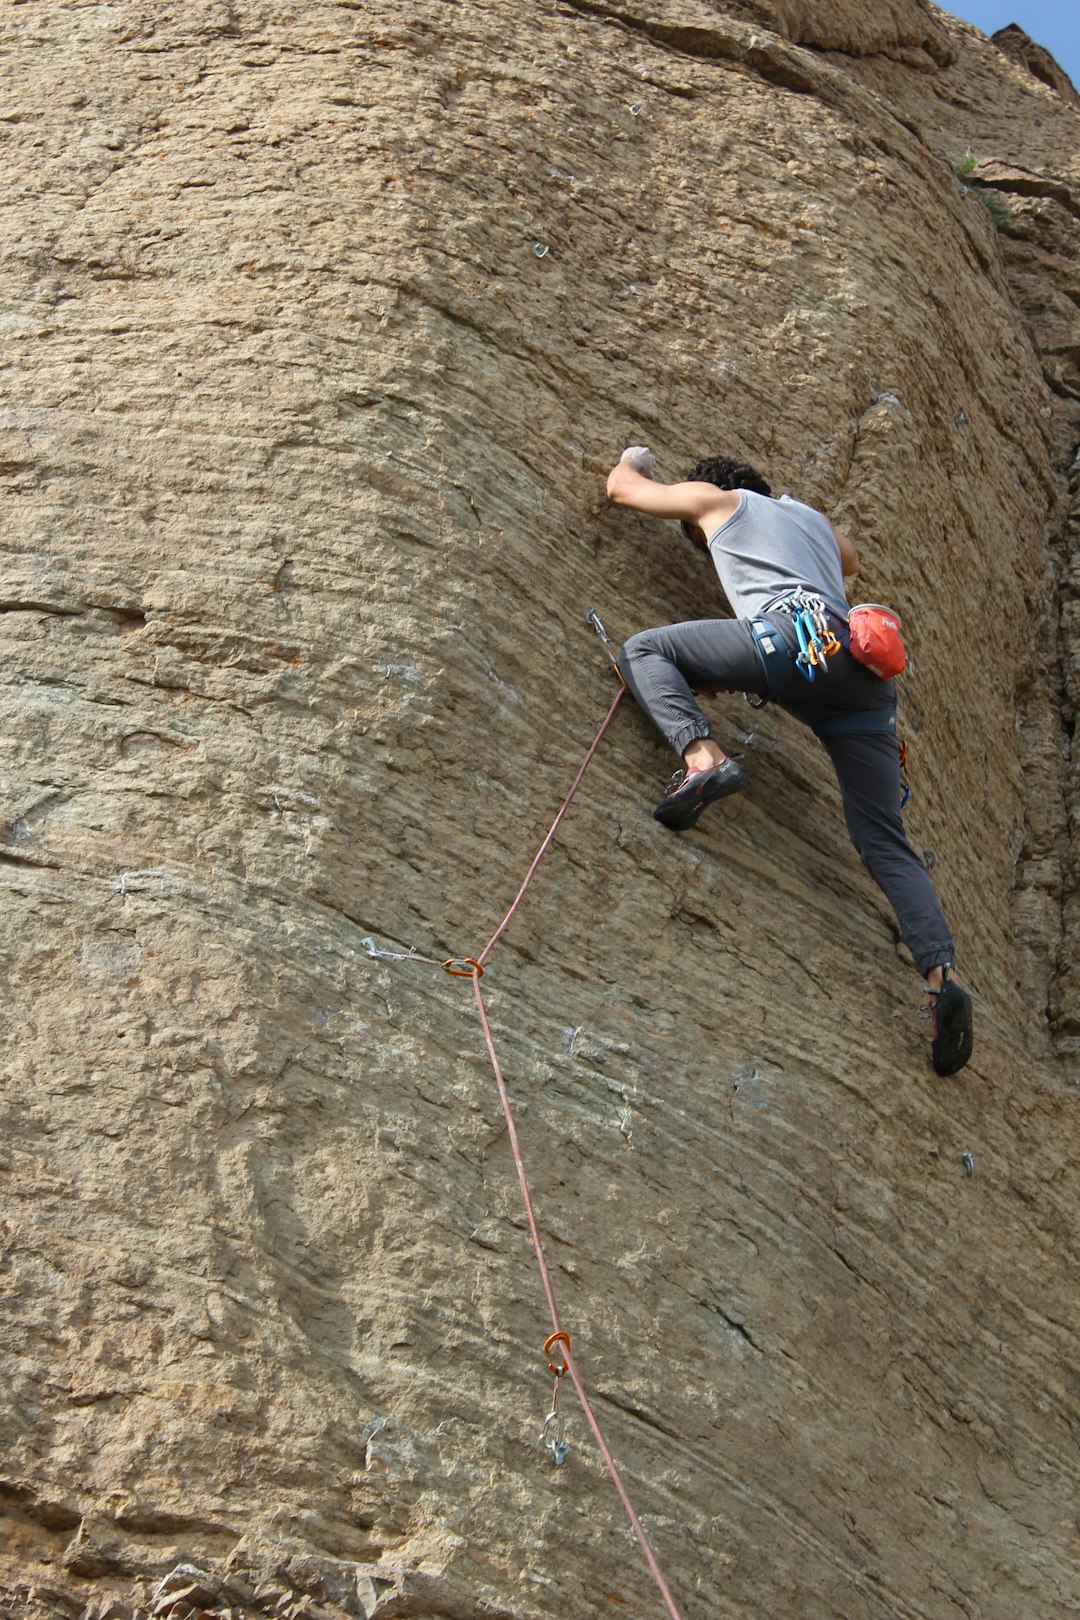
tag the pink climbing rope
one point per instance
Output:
(546, 845)
(473, 967)
(541, 1259)
(515, 1147)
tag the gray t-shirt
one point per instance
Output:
(768, 548)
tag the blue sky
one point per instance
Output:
(1053, 23)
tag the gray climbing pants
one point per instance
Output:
(664, 667)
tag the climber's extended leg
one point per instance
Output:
(868, 769)
(867, 766)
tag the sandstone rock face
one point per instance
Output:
(321, 327)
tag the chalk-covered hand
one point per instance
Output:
(641, 459)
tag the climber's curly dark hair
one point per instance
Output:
(725, 474)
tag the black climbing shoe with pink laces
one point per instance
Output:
(951, 1022)
(684, 805)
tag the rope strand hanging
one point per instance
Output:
(473, 968)
(564, 1339)
(546, 845)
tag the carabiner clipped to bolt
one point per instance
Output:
(593, 618)
(372, 949)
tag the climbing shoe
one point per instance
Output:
(684, 804)
(950, 1020)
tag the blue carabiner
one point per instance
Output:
(803, 663)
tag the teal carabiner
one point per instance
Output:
(804, 663)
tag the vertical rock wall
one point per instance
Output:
(321, 326)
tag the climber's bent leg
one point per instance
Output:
(662, 667)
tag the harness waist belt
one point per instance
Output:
(777, 658)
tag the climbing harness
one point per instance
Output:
(777, 660)
(808, 615)
(553, 1437)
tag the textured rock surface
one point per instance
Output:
(302, 447)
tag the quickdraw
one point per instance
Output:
(553, 1438)
(610, 647)
(817, 640)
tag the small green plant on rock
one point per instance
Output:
(964, 169)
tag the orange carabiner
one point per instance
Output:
(463, 967)
(553, 1339)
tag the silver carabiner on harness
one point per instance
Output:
(809, 615)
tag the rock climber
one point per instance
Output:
(774, 557)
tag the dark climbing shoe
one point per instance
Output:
(950, 1018)
(682, 807)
